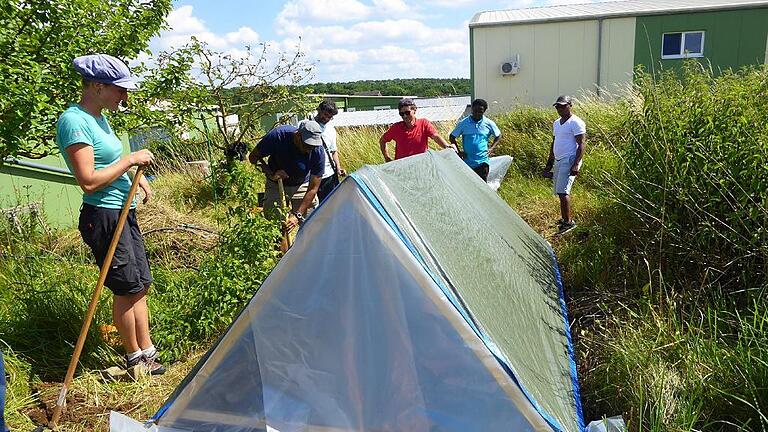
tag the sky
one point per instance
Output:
(345, 40)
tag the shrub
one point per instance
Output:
(695, 172)
(191, 307)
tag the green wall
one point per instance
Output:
(58, 193)
(732, 38)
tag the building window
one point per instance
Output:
(682, 45)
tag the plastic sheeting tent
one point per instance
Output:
(414, 299)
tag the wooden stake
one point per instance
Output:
(95, 299)
(286, 232)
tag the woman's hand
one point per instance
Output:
(144, 185)
(142, 157)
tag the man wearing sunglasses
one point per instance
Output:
(411, 134)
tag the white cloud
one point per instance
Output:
(336, 56)
(243, 35)
(390, 53)
(345, 39)
(518, 4)
(451, 3)
(181, 21)
(183, 25)
(323, 10)
(451, 48)
(390, 6)
(408, 32)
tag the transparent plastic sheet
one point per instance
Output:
(610, 424)
(122, 423)
(349, 333)
(497, 170)
(498, 267)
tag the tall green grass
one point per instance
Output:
(665, 277)
(695, 173)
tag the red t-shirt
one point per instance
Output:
(410, 142)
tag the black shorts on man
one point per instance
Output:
(482, 170)
(129, 271)
(327, 185)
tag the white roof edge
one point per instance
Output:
(545, 13)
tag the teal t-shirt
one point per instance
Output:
(474, 138)
(77, 126)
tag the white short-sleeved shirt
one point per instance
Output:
(565, 136)
(329, 138)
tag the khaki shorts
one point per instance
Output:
(561, 177)
(296, 194)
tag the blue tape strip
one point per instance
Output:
(483, 337)
(161, 411)
(571, 351)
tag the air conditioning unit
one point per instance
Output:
(511, 67)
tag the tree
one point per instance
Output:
(195, 82)
(39, 39)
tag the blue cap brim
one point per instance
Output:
(126, 83)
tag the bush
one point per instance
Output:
(695, 173)
(192, 307)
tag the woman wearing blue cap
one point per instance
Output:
(93, 153)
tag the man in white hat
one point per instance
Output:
(569, 139)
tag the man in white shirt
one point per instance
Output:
(333, 170)
(565, 156)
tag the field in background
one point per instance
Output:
(665, 276)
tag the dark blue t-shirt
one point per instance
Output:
(284, 155)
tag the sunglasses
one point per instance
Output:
(404, 113)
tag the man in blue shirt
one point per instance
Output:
(297, 157)
(476, 131)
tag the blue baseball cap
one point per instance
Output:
(105, 69)
(311, 131)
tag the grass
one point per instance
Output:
(208, 259)
(667, 341)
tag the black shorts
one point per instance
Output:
(129, 272)
(327, 185)
(482, 170)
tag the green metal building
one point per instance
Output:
(43, 185)
(530, 56)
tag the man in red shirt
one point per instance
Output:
(411, 134)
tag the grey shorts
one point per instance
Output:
(129, 271)
(296, 194)
(562, 180)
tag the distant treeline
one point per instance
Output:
(424, 87)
